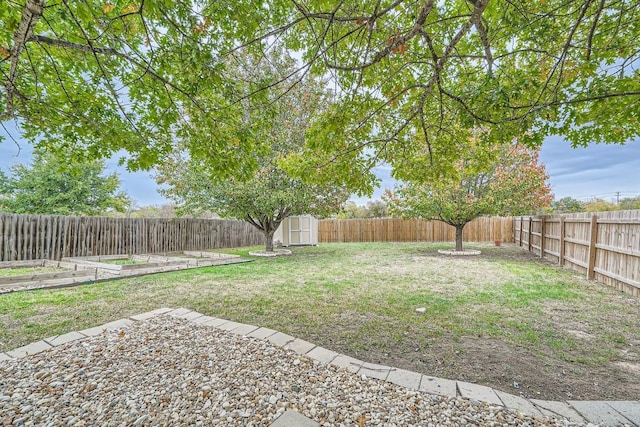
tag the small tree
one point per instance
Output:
(263, 201)
(373, 209)
(630, 203)
(515, 184)
(268, 195)
(351, 210)
(51, 186)
(600, 205)
(567, 205)
(376, 209)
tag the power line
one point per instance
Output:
(617, 195)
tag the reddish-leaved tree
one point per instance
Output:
(515, 183)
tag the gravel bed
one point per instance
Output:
(167, 371)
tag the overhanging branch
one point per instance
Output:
(113, 52)
(30, 16)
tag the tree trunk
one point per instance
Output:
(459, 237)
(268, 241)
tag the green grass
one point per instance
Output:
(127, 261)
(24, 271)
(361, 299)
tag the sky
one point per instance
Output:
(584, 173)
(599, 170)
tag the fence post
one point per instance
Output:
(529, 240)
(561, 257)
(593, 236)
(541, 237)
(521, 226)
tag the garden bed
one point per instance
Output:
(135, 265)
(33, 274)
(42, 273)
(205, 258)
(109, 266)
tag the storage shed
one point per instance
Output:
(299, 230)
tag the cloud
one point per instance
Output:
(594, 170)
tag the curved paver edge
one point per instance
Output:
(611, 413)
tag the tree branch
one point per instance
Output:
(104, 73)
(30, 16)
(482, 32)
(395, 42)
(593, 28)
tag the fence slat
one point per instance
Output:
(593, 238)
(562, 242)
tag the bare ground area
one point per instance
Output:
(517, 370)
(510, 368)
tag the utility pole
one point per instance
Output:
(618, 198)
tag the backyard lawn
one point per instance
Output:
(505, 319)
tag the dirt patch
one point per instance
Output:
(632, 368)
(560, 366)
(580, 334)
(520, 371)
(527, 372)
(512, 369)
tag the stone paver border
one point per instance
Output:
(274, 253)
(464, 252)
(614, 413)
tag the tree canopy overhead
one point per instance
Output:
(93, 77)
(412, 76)
(418, 74)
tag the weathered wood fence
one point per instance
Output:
(412, 230)
(604, 246)
(27, 237)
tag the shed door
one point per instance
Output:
(300, 230)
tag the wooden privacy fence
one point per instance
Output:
(26, 237)
(604, 246)
(412, 230)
